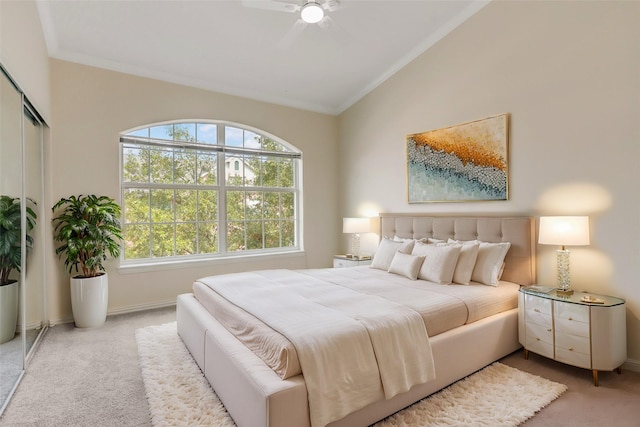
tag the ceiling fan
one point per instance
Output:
(311, 12)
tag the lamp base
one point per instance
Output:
(562, 293)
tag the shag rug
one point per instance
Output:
(179, 394)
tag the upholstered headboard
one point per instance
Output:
(520, 265)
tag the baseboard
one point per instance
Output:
(632, 365)
(121, 310)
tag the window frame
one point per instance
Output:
(224, 153)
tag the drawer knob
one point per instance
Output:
(549, 330)
(570, 318)
(537, 339)
(536, 310)
(570, 348)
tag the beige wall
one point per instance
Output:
(567, 73)
(92, 106)
(23, 52)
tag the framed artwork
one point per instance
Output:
(466, 162)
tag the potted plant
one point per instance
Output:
(88, 228)
(11, 259)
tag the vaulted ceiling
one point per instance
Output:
(253, 49)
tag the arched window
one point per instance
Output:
(180, 201)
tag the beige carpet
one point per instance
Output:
(179, 395)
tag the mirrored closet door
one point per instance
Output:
(22, 283)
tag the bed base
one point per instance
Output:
(255, 396)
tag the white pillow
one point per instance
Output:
(489, 262)
(406, 265)
(466, 263)
(386, 250)
(439, 263)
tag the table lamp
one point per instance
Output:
(564, 231)
(356, 226)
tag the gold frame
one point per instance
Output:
(460, 163)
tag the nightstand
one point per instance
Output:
(342, 261)
(567, 329)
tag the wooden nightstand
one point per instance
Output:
(342, 261)
(568, 329)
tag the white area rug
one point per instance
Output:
(179, 395)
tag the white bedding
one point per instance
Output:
(443, 307)
(348, 341)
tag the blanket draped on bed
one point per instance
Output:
(354, 348)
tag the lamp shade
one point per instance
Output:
(564, 230)
(356, 225)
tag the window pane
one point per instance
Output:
(161, 165)
(253, 205)
(288, 229)
(272, 234)
(287, 206)
(208, 237)
(271, 205)
(136, 241)
(186, 205)
(184, 166)
(162, 240)
(207, 167)
(286, 173)
(207, 205)
(136, 205)
(184, 132)
(144, 133)
(161, 132)
(207, 133)
(162, 206)
(235, 205)
(252, 140)
(270, 172)
(233, 136)
(269, 144)
(234, 176)
(235, 236)
(251, 169)
(185, 242)
(254, 235)
(135, 164)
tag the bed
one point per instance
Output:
(269, 389)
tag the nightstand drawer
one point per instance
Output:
(539, 333)
(537, 304)
(573, 343)
(574, 358)
(572, 327)
(540, 347)
(570, 311)
(538, 318)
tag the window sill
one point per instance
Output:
(202, 262)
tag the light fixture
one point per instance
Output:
(356, 226)
(311, 13)
(564, 231)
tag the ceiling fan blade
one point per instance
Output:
(275, 5)
(291, 35)
(332, 5)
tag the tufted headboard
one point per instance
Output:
(520, 262)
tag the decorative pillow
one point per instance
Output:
(406, 265)
(386, 250)
(432, 240)
(489, 262)
(439, 263)
(466, 263)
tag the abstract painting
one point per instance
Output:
(466, 162)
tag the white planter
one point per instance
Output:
(89, 300)
(9, 299)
